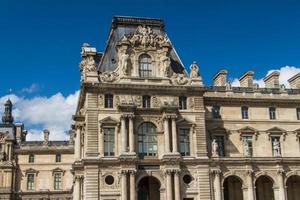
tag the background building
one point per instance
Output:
(145, 128)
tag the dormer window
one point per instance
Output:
(145, 66)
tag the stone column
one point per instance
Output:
(174, 135)
(167, 135)
(124, 185)
(217, 184)
(76, 191)
(123, 135)
(250, 185)
(131, 135)
(177, 184)
(280, 178)
(169, 184)
(132, 186)
(77, 144)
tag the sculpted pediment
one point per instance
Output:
(108, 121)
(59, 170)
(276, 130)
(144, 37)
(31, 171)
(248, 129)
(184, 122)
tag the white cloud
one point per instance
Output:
(33, 88)
(286, 73)
(53, 113)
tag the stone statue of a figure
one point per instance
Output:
(276, 147)
(247, 148)
(123, 63)
(194, 70)
(215, 148)
(165, 63)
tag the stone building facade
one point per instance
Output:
(145, 128)
(33, 169)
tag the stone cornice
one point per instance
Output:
(249, 101)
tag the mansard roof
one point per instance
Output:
(125, 25)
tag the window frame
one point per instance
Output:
(31, 158)
(145, 66)
(30, 187)
(186, 141)
(109, 101)
(57, 185)
(245, 112)
(272, 113)
(214, 113)
(58, 157)
(111, 141)
(182, 103)
(147, 140)
(146, 101)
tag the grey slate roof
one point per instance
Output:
(125, 25)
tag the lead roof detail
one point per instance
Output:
(136, 30)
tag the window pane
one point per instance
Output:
(147, 140)
(145, 66)
(184, 141)
(109, 141)
(108, 101)
(183, 103)
(298, 113)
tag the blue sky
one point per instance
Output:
(41, 40)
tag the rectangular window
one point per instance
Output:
(298, 113)
(109, 141)
(221, 147)
(272, 112)
(182, 103)
(30, 181)
(58, 157)
(244, 110)
(109, 101)
(146, 101)
(216, 112)
(57, 181)
(31, 158)
(248, 147)
(184, 141)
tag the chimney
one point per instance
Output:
(19, 132)
(295, 81)
(272, 80)
(220, 79)
(46, 136)
(246, 80)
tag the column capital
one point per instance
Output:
(127, 115)
(78, 125)
(281, 171)
(249, 172)
(132, 172)
(78, 177)
(168, 172)
(124, 172)
(169, 116)
(215, 172)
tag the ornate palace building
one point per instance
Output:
(145, 128)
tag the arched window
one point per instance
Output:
(147, 139)
(145, 66)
